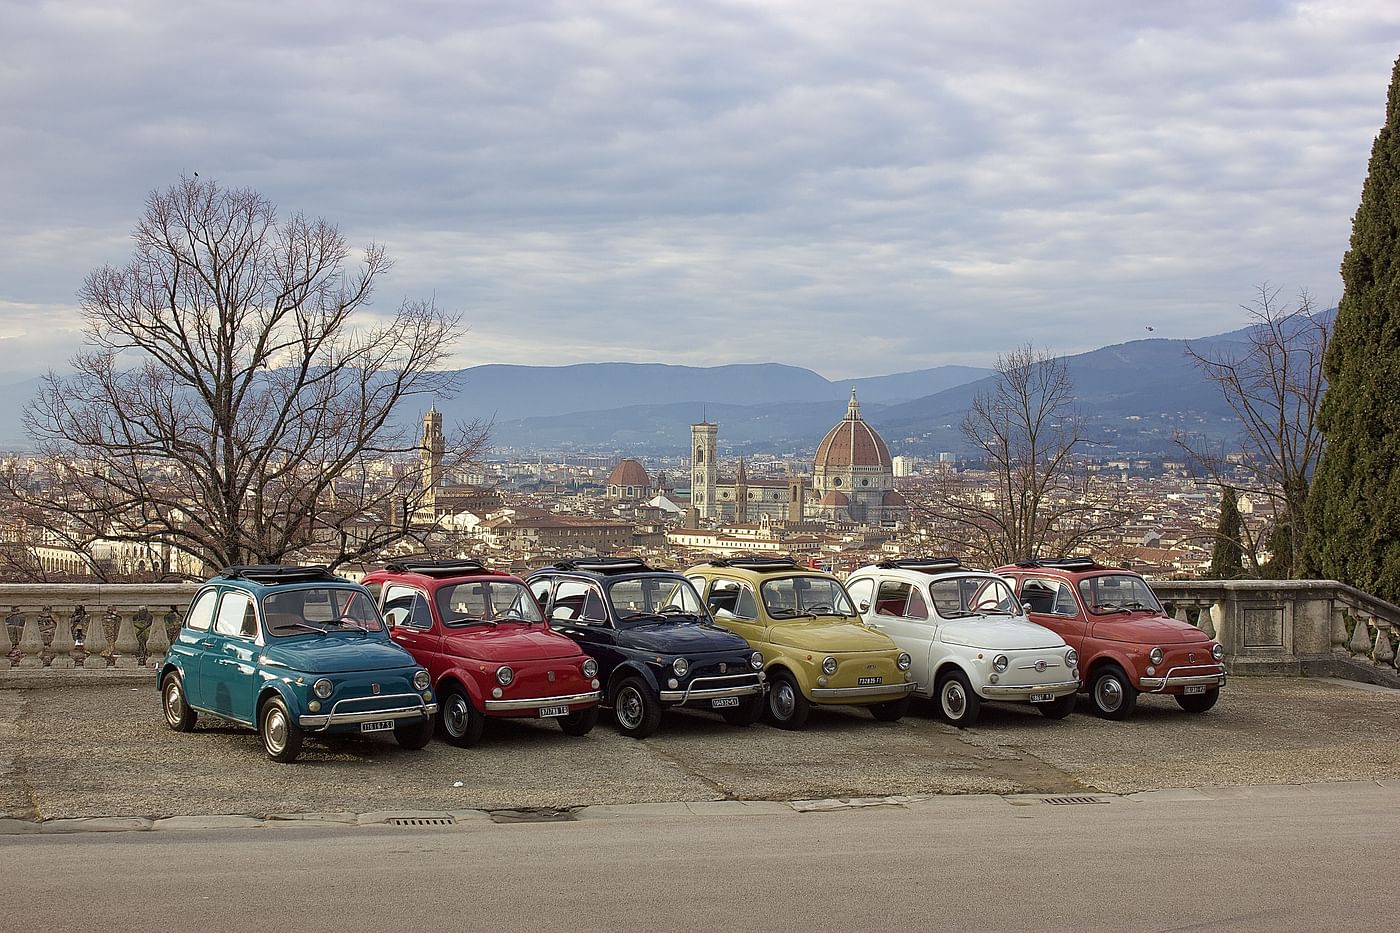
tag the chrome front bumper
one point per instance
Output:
(1158, 684)
(696, 689)
(593, 696)
(1003, 692)
(318, 722)
(841, 693)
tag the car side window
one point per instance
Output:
(406, 606)
(893, 599)
(575, 601)
(201, 614)
(860, 591)
(1049, 597)
(730, 599)
(540, 589)
(236, 616)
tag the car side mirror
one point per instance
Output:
(1026, 608)
(864, 608)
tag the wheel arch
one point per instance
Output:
(628, 669)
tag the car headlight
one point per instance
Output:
(1155, 656)
(756, 660)
(323, 688)
(903, 662)
(421, 680)
(681, 666)
(1071, 657)
(504, 675)
(829, 665)
(590, 668)
(1217, 651)
(1000, 663)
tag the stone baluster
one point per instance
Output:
(1382, 653)
(173, 620)
(14, 626)
(77, 629)
(1181, 612)
(1360, 638)
(48, 627)
(111, 627)
(1211, 617)
(141, 628)
(1338, 634)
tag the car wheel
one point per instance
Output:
(460, 721)
(281, 737)
(415, 734)
(1060, 707)
(892, 711)
(1198, 702)
(748, 712)
(787, 707)
(958, 703)
(580, 723)
(178, 714)
(1114, 697)
(637, 711)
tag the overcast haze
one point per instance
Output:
(859, 188)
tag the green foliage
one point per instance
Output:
(1354, 503)
(1278, 567)
(1227, 560)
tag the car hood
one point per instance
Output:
(828, 635)
(678, 638)
(508, 642)
(337, 654)
(998, 633)
(1156, 630)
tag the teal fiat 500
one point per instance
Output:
(293, 652)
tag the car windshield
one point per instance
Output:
(963, 596)
(486, 601)
(1118, 593)
(792, 597)
(641, 598)
(320, 609)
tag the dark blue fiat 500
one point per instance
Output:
(293, 652)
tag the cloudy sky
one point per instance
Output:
(859, 188)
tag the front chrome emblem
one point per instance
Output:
(723, 667)
(1040, 665)
(870, 667)
(1191, 657)
(374, 688)
(550, 675)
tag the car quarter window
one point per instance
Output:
(1049, 597)
(860, 591)
(236, 616)
(731, 599)
(406, 606)
(201, 614)
(540, 589)
(576, 601)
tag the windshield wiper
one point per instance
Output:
(956, 613)
(1111, 607)
(305, 625)
(470, 621)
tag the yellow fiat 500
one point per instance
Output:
(815, 648)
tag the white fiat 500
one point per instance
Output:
(968, 635)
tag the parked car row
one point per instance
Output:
(430, 646)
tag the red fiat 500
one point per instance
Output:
(1127, 644)
(482, 637)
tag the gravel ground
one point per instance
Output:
(99, 750)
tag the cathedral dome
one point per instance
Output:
(894, 499)
(836, 499)
(852, 443)
(629, 473)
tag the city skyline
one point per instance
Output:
(855, 190)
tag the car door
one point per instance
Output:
(577, 610)
(412, 626)
(733, 605)
(1052, 604)
(227, 673)
(901, 612)
(194, 640)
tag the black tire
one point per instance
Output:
(749, 711)
(581, 722)
(1113, 695)
(1060, 707)
(178, 714)
(787, 707)
(957, 702)
(281, 736)
(1198, 702)
(460, 722)
(415, 734)
(893, 711)
(636, 709)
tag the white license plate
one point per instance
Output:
(1196, 688)
(869, 681)
(722, 702)
(380, 725)
(547, 712)
(1041, 697)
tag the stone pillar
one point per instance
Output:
(141, 628)
(111, 626)
(14, 626)
(48, 627)
(1339, 631)
(173, 621)
(1382, 654)
(1215, 622)
(77, 629)
(1360, 643)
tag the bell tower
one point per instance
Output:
(704, 472)
(430, 454)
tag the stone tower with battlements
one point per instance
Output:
(704, 471)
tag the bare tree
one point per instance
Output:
(225, 400)
(1040, 501)
(1274, 386)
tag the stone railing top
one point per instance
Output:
(1358, 599)
(101, 594)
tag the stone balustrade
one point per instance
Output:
(70, 625)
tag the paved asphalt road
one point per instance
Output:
(1277, 859)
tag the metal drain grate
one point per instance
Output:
(1065, 801)
(421, 821)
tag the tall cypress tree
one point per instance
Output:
(1354, 503)
(1227, 560)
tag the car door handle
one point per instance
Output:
(207, 643)
(874, 625)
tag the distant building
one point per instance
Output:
(629, 482)
(853, 475)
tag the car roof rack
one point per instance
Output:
(428, 567)
(278, 573)
(757, 564)
(923, 564)
(604, 565)
(1062, 563)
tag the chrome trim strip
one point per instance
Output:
(739, 689)
(830, 693)
(537, 702)
(319, 722)
(1158, 684)
(1004, 692)
(227, 717)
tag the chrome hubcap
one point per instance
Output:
(784, 700)
(1110, 694)
(456, 717)
(275, 731)
(629, 708)
(953, 700)
(172, 703)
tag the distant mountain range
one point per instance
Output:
(1134, 395)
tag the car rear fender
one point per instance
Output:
(166, 668)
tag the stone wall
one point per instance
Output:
(68, 625)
